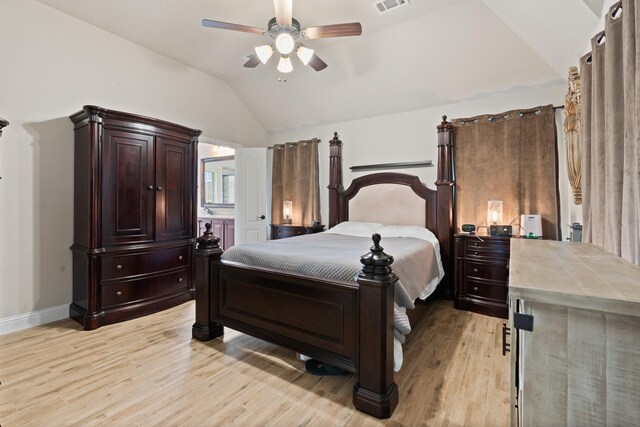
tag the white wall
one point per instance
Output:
(412, 136)
(53, 64)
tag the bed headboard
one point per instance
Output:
(408, 200)
(400, 199)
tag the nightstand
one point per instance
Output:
(482, 274)
(282, 231)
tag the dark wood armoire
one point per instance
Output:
(134, 208)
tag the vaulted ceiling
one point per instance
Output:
(429, 53)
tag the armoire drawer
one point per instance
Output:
(119, 266)
(498, 271)
(495, 291)
(114, 294)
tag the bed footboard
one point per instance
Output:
(346, 324)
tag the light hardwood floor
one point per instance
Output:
(149, 371)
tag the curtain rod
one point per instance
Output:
(558, 107)
(291, 143)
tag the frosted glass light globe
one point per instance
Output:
(285, 43)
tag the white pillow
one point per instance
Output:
(353, 228)
(407, 231)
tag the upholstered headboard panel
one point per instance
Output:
(389, 198)
(401, 205)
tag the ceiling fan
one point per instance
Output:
(285, 31)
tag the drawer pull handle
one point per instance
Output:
(118, 267)
(118, 293)
(150, 188)
(475, 288)
(475, 270)
(475, 244)
(505, 345)
(180, 257)
(475, 253)
(179, 279)
(159, 188)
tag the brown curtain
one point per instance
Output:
(295, 177)
(609, 133)
(511, 157)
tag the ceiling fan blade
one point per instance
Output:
(284, 12)
(335, 30)
(316, 63)
(235, 27)
(253, 61)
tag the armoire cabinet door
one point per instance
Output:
(174, 189)
(128, 187)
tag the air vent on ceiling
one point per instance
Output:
(385, 6)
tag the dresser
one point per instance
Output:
(282, 231)
(575, 335)
(482, 271)
(134, 203)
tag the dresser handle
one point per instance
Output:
(475, 270)
(475, 288)
(118, 267)
(179, 279)
(475, 244)
(118, 293)
(159, 188)
(180, 257)
(505, 345)
(150, 188)
(475, 253)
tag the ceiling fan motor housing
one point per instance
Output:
(274, 29)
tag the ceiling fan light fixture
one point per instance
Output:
(264, 53)
(285, 65)
(285, 43)
(305, 54)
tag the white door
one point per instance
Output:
(251, 195)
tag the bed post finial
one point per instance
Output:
(376, 263)
(207, 249)
(376, 393)
(335, 179)
(445, 185)
(207, 241)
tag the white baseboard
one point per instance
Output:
(33, 318)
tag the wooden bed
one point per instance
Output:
(346, 324)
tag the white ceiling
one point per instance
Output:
(430, 53)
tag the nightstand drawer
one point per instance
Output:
(282, 231)
(495, 291)
(487, 249)
(498, 271)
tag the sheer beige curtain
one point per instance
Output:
(512, 157)
(610, 147)
(295, 177)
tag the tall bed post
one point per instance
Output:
(445, 185)
(207, 249)
(376, 393)
(335, 179)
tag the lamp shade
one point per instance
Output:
(494, 212)
(287, 207)
(305, 54)
(285, 43)
(264, 53)
(285, 65)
